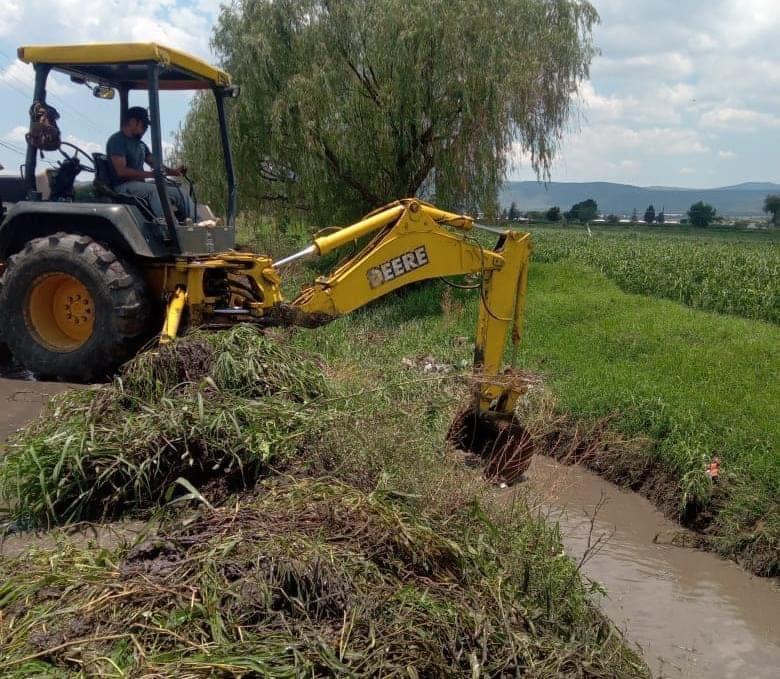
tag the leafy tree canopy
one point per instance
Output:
(553, 214)
(701, 214)
(649, 217)
(348, 104)
(772, 207)
(585, 211)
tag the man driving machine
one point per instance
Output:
(128, 154)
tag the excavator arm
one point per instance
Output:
(413, 241)
(404, 242)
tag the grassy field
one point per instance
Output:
(728, 271)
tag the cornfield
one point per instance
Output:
(729, 277)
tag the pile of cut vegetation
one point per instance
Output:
(310, 577)
(219, 407)
(352, 544)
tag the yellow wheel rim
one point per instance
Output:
(60, 311)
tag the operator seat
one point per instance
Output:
(102, 185)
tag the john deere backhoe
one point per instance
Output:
(84, 284)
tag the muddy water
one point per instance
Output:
(690, 613)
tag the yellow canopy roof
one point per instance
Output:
(125, 63)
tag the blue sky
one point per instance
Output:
(684, 93)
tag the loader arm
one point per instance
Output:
(413, 241)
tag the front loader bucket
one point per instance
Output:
(504, 445)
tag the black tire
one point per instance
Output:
(119, 308)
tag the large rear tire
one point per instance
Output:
(71, 309)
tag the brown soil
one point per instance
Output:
(505, 448)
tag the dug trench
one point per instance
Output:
(735, 615)
(628, 463)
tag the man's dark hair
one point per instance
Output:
(137, 112)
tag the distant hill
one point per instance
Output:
(743, 200)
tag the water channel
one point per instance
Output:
(690, 613)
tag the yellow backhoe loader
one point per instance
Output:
(85, 283)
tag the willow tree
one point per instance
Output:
(348, 104)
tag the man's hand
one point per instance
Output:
(179, 171)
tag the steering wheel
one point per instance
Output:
(90, 167)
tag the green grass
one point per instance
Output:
(699, 384)
(726, 271)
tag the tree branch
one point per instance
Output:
(347, 177)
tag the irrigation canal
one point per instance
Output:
(691, 613)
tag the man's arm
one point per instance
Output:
(168, 171)
(128, 174)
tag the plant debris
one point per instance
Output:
(224, 406)
(309, 578)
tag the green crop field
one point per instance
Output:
(728, 272)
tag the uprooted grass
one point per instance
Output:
(221, 406)
(311, 577)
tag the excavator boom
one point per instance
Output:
(414, 241)
(402, 243)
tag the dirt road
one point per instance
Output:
(22, 400)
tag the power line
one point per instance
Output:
(11, 147)
(54, 95)
(26, 95)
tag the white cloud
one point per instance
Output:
(738, 119)
(12, 13)
(668, 65)
(16, 135)
(663, 141)
(178, 25)
(748, 21)
(727, 155)
(687, 171)
(83, 144)
(20, 77)
(679, 94)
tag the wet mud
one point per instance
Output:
(689, 612)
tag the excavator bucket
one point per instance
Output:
(503, 445)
